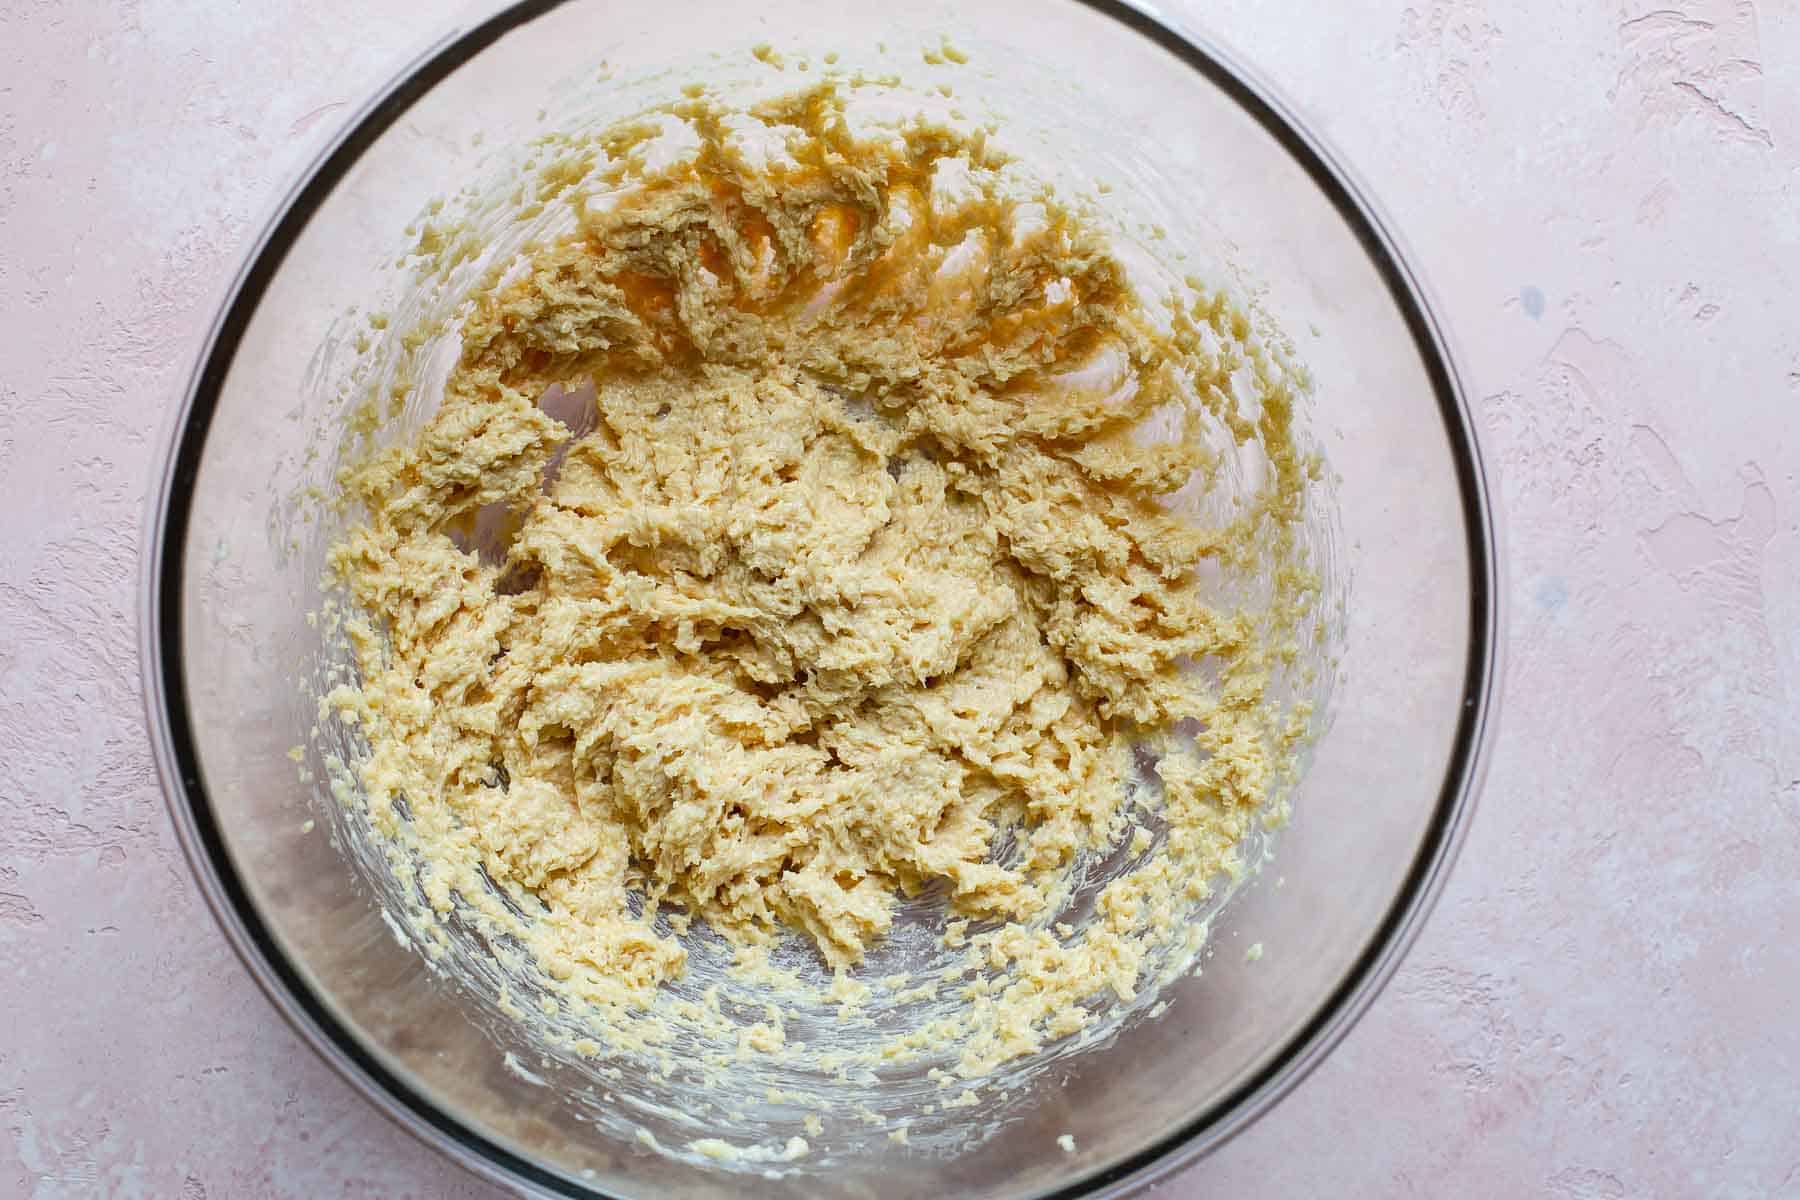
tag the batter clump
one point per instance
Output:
(852, 569)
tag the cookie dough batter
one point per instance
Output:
(861, 575)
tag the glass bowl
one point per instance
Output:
(1213, 171)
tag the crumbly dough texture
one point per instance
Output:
(863, 577)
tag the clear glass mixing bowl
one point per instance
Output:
(1085, 89)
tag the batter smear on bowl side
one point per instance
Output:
(867, 571)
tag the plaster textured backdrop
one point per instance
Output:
(1606, 194)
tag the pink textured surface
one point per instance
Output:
(1606, 196)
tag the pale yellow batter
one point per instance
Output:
(868, 565)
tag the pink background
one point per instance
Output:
(1607, 197)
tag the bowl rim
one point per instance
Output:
(312, 1015)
